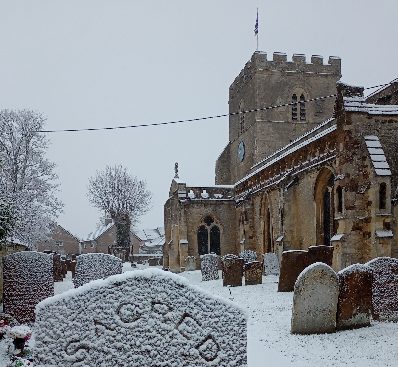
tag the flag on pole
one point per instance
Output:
(256, 26)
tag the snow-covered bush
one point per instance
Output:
(248, 256)
(95, 266)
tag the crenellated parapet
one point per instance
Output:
(259, 63)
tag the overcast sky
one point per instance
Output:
(111, 63)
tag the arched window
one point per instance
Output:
(241, 117)
(294, 108)
(302, 108)
(339, 193)
(383, 196)
(209, 238)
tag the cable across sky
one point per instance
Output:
(197, 119)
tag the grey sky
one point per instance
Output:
(111, 63)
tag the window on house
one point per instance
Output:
(92, 244)
(241, 117)
(85, 245)
(383, 196)
(339, 193)
(59, 243)
(302, 108)
(294, 108)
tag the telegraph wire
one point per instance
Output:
(197, 119)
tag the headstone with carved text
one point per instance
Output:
(138, 319)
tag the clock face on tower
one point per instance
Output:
(241, 151)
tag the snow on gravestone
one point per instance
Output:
(27, 280)
(354, 305)
(141, 318)
(271, 264)
(95, 266)
(315, 300)
(248, 256)
(190, 263)
(384, 288)
(232, 270)
(209, 267)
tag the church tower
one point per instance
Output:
(254, 136)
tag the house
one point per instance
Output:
(319, 168)
(148, 241)
(61, 241)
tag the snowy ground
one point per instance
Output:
(269, 340)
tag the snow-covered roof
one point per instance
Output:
(358, 104)
(377, 156)
(149, 234)
(98, 232)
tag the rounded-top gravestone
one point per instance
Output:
(315, 300)
(27, 280)
(271, 264)
(190, 263)
(384, 288)
(209, 267)
(90, 267)
(140, 319)
(354, 306)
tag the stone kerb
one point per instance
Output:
(292, 264)
(27, 279)
(190, 263)
(209, 267)
(254, 273)
(232, 271)
(315, 300)
(138, 319)
(57, 268)
(90, 267)
(271, 264)
(384, 288)
(354, 306)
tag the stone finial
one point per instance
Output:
(176, 170)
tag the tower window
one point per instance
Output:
(383, 196)
(294, 108)
(302, 108)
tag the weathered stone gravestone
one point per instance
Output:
(232, 270)
(57, 268)
(27, 280)
(323, 254)
(153, 262)
(248, 256)
(73, 268)
(209, 267)
(354, 306)
(64, 268)
(95, 266)
(384, 288)
(271, 264)
(190, 263)
(253, 273)
(315, 300)
(292, 264)
(138, 319)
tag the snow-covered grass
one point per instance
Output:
(269, 340)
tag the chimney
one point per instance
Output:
(108, 220)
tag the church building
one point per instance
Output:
(309, 162)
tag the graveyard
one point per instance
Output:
(140, 315)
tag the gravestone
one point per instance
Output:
(95, 266)
(57, 268)
(64, 268)
(254, 273)
(152, 262)
(143, 318)
(315, 300)
(68, 267)
(232, 271)
(384, 288)
(354, 306)
(292, 264)
(27, 280)
(73, 268)
(248, 256)
(323, 254)
(190, 263)
(209, 267)
(271, 264)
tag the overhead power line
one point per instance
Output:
(197, 119)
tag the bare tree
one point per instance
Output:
(27, 179)
(123, 196)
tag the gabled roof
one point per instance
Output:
(149, 234)
(98, 232)
(70, 234)
(358, 104)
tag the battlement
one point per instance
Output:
(259, 63)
